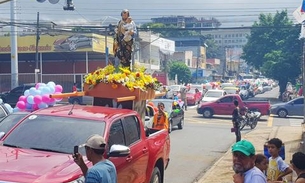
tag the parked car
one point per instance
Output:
(83, 100)
(192, 97)
(4, 111)
(176, 117)
(225, 106)
(10, 120)
(45, 139)
(231, 90)
(12, 96)
(290, 108)
(212, 95)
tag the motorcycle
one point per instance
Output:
(250, 119)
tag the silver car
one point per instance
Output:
(291, 108)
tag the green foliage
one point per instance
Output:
(275, 48)
(181, 70)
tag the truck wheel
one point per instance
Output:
(282, 113)
(207, 113)
(181, 124)
(156, 176)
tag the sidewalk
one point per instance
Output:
(222, 172)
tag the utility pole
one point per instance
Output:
(37, 54)
(14, 49)
(303, 77)
(106, 46)
(197, 62)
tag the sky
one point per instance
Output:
(229, 12)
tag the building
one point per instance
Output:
(187, 22)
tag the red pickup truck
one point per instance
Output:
(225, 106)
(39, 148)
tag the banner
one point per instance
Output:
(58, 43)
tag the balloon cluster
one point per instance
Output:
(7, 106)
(38, 97)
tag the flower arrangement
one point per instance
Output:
(115, 76)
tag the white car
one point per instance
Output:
(212, 95)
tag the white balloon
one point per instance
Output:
(1, 101)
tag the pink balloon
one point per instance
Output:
(58, 88)
(22, 98)
(51, 100)
(21, 105)
(45, 98)
(37, 85)
(37, 99)
(35, 107)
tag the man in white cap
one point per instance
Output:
(103, 170)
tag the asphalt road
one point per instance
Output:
(203, 141)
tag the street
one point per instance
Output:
(203, 141)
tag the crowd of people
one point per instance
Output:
(250, 167)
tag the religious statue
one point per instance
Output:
(123, 40)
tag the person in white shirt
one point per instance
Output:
(243, 164)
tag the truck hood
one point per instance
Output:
(209, 99)
(27, 165)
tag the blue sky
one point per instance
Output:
(229, 12)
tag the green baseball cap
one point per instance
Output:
(244, 147)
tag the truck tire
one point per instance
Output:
(181, 124)
(156, 176)
(207, 113)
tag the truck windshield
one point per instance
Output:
(53, 133)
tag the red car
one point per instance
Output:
(39, 148)
(193, 97)
(225, 106)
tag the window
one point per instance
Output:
(131, 129)
(2, 113)
(116, 135)
(226, 100)
(299, 101)
(149, 111)
(19, 89)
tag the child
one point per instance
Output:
(261, 162)
(128, 27)
(277, 168)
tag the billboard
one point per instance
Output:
(57, 43)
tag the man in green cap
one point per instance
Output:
(244, 164)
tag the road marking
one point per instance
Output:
(270, 121)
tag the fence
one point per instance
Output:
(65, 80)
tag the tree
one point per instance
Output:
(181, 70)
(274, 47)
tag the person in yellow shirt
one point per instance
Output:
(160, 118)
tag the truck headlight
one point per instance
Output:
(79, 180)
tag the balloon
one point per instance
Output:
(52, 89)
(51, 83)
(30, 99)
(51, 100)
(16, 109)
(35, 107)
(58, 99)
(45, 98)
(22, 98)
(42, 105)
(32, 91)
(1, 101)
(52, 104)
(37, 99)
(20, 105)
(8, 107)
(38, 92)
(28, 106)
(45, 90)
(26, 93)
(58, 88)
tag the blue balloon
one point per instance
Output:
(38, 92)
(28, 106)
(51, 83)
(26, 93)
(16, 109)
(42, 105)
(45, 90)
(30, 99)
(52, 89)
(32, 91)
